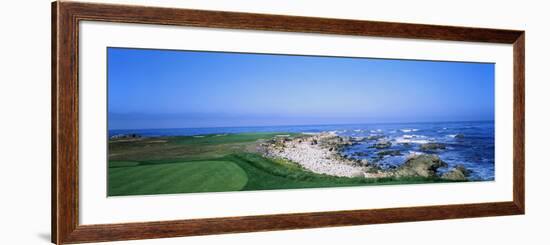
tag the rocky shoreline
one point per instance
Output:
(321, 153)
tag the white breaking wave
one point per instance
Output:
(415, 153)
(411, 140)
(410, 136)
(408, 130)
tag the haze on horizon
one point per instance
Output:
(189, 89)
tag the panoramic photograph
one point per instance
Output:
(204, 121)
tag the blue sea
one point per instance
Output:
(471, 144)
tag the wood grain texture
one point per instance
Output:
(65, 108)
(519, 122)
(54, 123)
(149, 230)
(65, 103)
(235, 20)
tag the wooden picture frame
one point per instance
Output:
(65, 121)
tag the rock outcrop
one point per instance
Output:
(360, 154)
(382, 144)
(420, 166)
(459, 173)
(375, 137)
(432, 146)
(389, 153)
(321, 153)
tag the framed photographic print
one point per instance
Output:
(175, 122)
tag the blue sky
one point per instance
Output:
(185, 89)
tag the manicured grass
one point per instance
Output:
(268, 174)
(186, 148)
(213, 163)
(119, 164)
(244, 171)
(223, 138)
(184, 177)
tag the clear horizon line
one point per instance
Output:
(297, 125)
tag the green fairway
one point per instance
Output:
(184, 177)
(183, 148)
(269, 174)
(212, 163)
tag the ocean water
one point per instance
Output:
(471, 144)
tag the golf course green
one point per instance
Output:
(211, 163)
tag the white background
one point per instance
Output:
(95, 37)
(25, 98)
